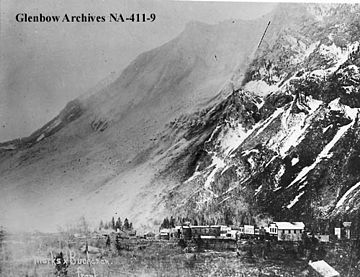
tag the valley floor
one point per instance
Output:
(32, 255)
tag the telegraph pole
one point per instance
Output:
(264, 34)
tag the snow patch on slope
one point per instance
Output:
(326, 128)
(295, 200)
(337, 54)
(346, 198)
(232, 138)
(294, 161)
(259, 105)
(278, 176)
(213, 133)
(335, 105)
(260, 87)
(296, 134)
(258, 190)
(294, 127)
(268, 121)
(325, 153)
(219, 164)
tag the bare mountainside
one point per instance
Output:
(104, 152)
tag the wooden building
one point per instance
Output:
(287, 231)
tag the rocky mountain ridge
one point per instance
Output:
(209, 126)
(285, 145)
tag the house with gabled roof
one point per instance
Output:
(287, 231)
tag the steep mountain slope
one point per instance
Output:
(186, 130)
(94, 158)
(286, 144)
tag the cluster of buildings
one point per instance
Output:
(279, 231)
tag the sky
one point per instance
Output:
(45, 65)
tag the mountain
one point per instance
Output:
(285, 145)
(96, 156)
(208, 126)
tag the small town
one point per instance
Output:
(246, 239)
(250, 242)
(116, 248)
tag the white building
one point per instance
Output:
(249, 229)
(323, 238)
(287, 231)
(165, 233)
(347, 226)
(323, 269)
(337, 232)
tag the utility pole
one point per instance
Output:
(252, 55)
(264, 34)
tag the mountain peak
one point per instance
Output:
(104, 139)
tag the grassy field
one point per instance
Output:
(138, 257)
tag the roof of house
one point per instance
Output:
(290, 225)
(165, 230)
(324, 269)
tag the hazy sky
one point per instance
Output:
(45, 65)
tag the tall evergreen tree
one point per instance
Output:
(172, 222)
(101, 225)
(166, 223)
(126, 224)
(118, 224)
(113, 223)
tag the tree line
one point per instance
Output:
(196, 220)
(116, 224)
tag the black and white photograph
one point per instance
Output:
(179, 138)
